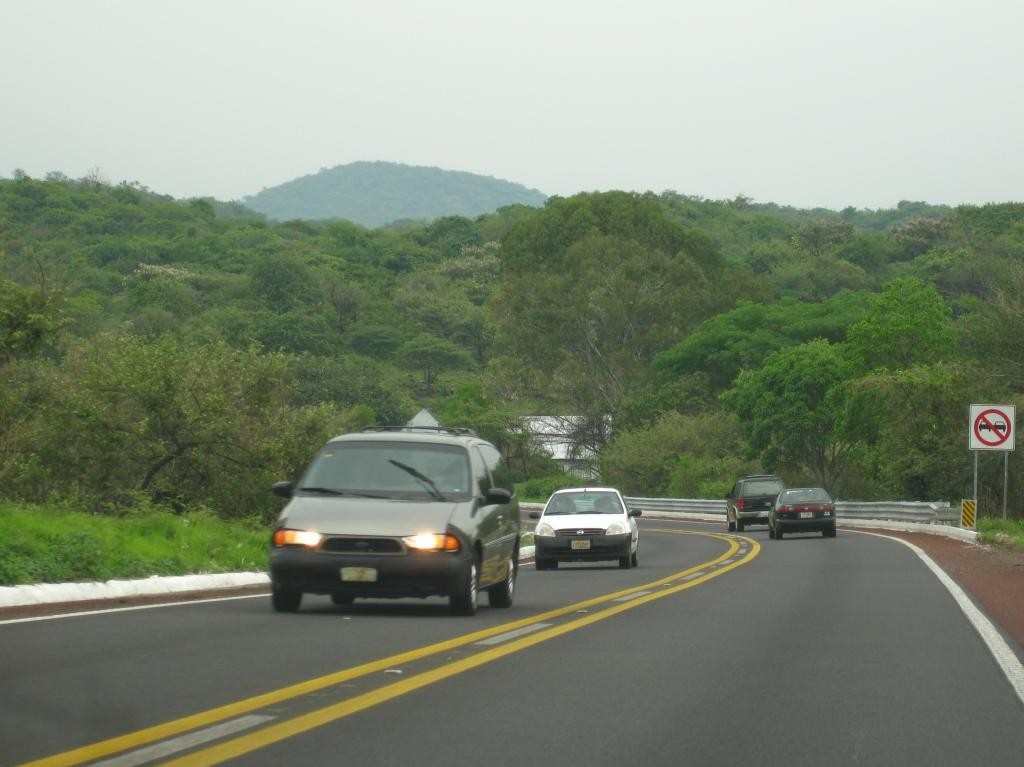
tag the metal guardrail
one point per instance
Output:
(936, 512)
(923, 512)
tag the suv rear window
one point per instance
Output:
(762, 487)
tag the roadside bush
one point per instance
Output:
(538, 489)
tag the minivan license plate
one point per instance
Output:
(579, 545)
(359, 574)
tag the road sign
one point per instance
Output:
(967, 509)
(991, 427)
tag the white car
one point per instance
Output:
(584, 524)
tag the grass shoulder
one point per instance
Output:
(57, 544)
(1002, 532)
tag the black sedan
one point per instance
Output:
(802, 510)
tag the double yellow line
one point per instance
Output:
(274, 733)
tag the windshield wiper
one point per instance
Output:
(333, 491)
(426, 481)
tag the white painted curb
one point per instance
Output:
(55, 593)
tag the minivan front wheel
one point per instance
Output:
(501, 595)
(285, 601)
(463, 600)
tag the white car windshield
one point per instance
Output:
(584, 503)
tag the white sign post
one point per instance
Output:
(992, 427)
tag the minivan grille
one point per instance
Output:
(580, 531)
(362, 546)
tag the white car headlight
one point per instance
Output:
(544, 530)
(616, 528)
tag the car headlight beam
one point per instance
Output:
(432, 542)
(616, 528)
(288, 537)
(544, 530)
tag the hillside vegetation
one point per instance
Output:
(184, 353)
(378, 193)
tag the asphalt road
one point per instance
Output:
(717, 650)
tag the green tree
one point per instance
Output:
(907, 423)
(907, 323)
(185, 421)
(742, 338)
(592, 287)
(282, 281)
(791, 406)
(677, 456)
(431, 355)
(29, 319)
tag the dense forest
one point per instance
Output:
(192, 353)
(380, 193)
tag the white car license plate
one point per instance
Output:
(359, 574)
(806, 514)
(580, 545)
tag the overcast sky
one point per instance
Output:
(797, 102)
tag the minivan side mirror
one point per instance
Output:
(534, 515)
(498, 495)
(635, 513)
(284, 489)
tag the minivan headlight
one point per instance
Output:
(287, 537)
(616, 528)
(431, 542)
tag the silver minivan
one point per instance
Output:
(393, 512)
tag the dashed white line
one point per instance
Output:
(174, 745)
(628, 597)
(515, 634)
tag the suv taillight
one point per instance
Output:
(740, 503)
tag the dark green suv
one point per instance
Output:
(750, 499)
(399, 512)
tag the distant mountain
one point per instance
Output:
(378, 193)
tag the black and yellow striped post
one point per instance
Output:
(967, 509)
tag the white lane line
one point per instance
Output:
(1004, 656)
(514, 634)
(628, 597)
(174, 745)
(691, 576)
(179, 603)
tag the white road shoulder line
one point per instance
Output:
(154, 606)
(1001, 651)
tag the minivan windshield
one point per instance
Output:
(390, 470)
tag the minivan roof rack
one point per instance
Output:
(455, 430)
